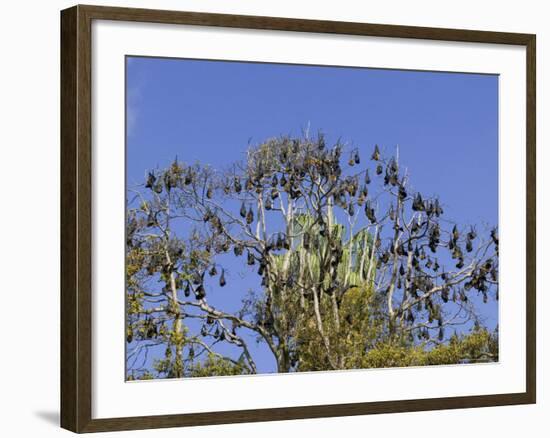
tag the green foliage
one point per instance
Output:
(342, 292)
(214, 365)
(346, 280)
(478, 346)
(359, 328)
(145, 375)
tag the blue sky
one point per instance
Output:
(446, 124)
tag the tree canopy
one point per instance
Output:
(354, 269)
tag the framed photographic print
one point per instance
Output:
(269, 218)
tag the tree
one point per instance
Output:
(354, 269)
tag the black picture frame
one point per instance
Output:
(76, 218)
